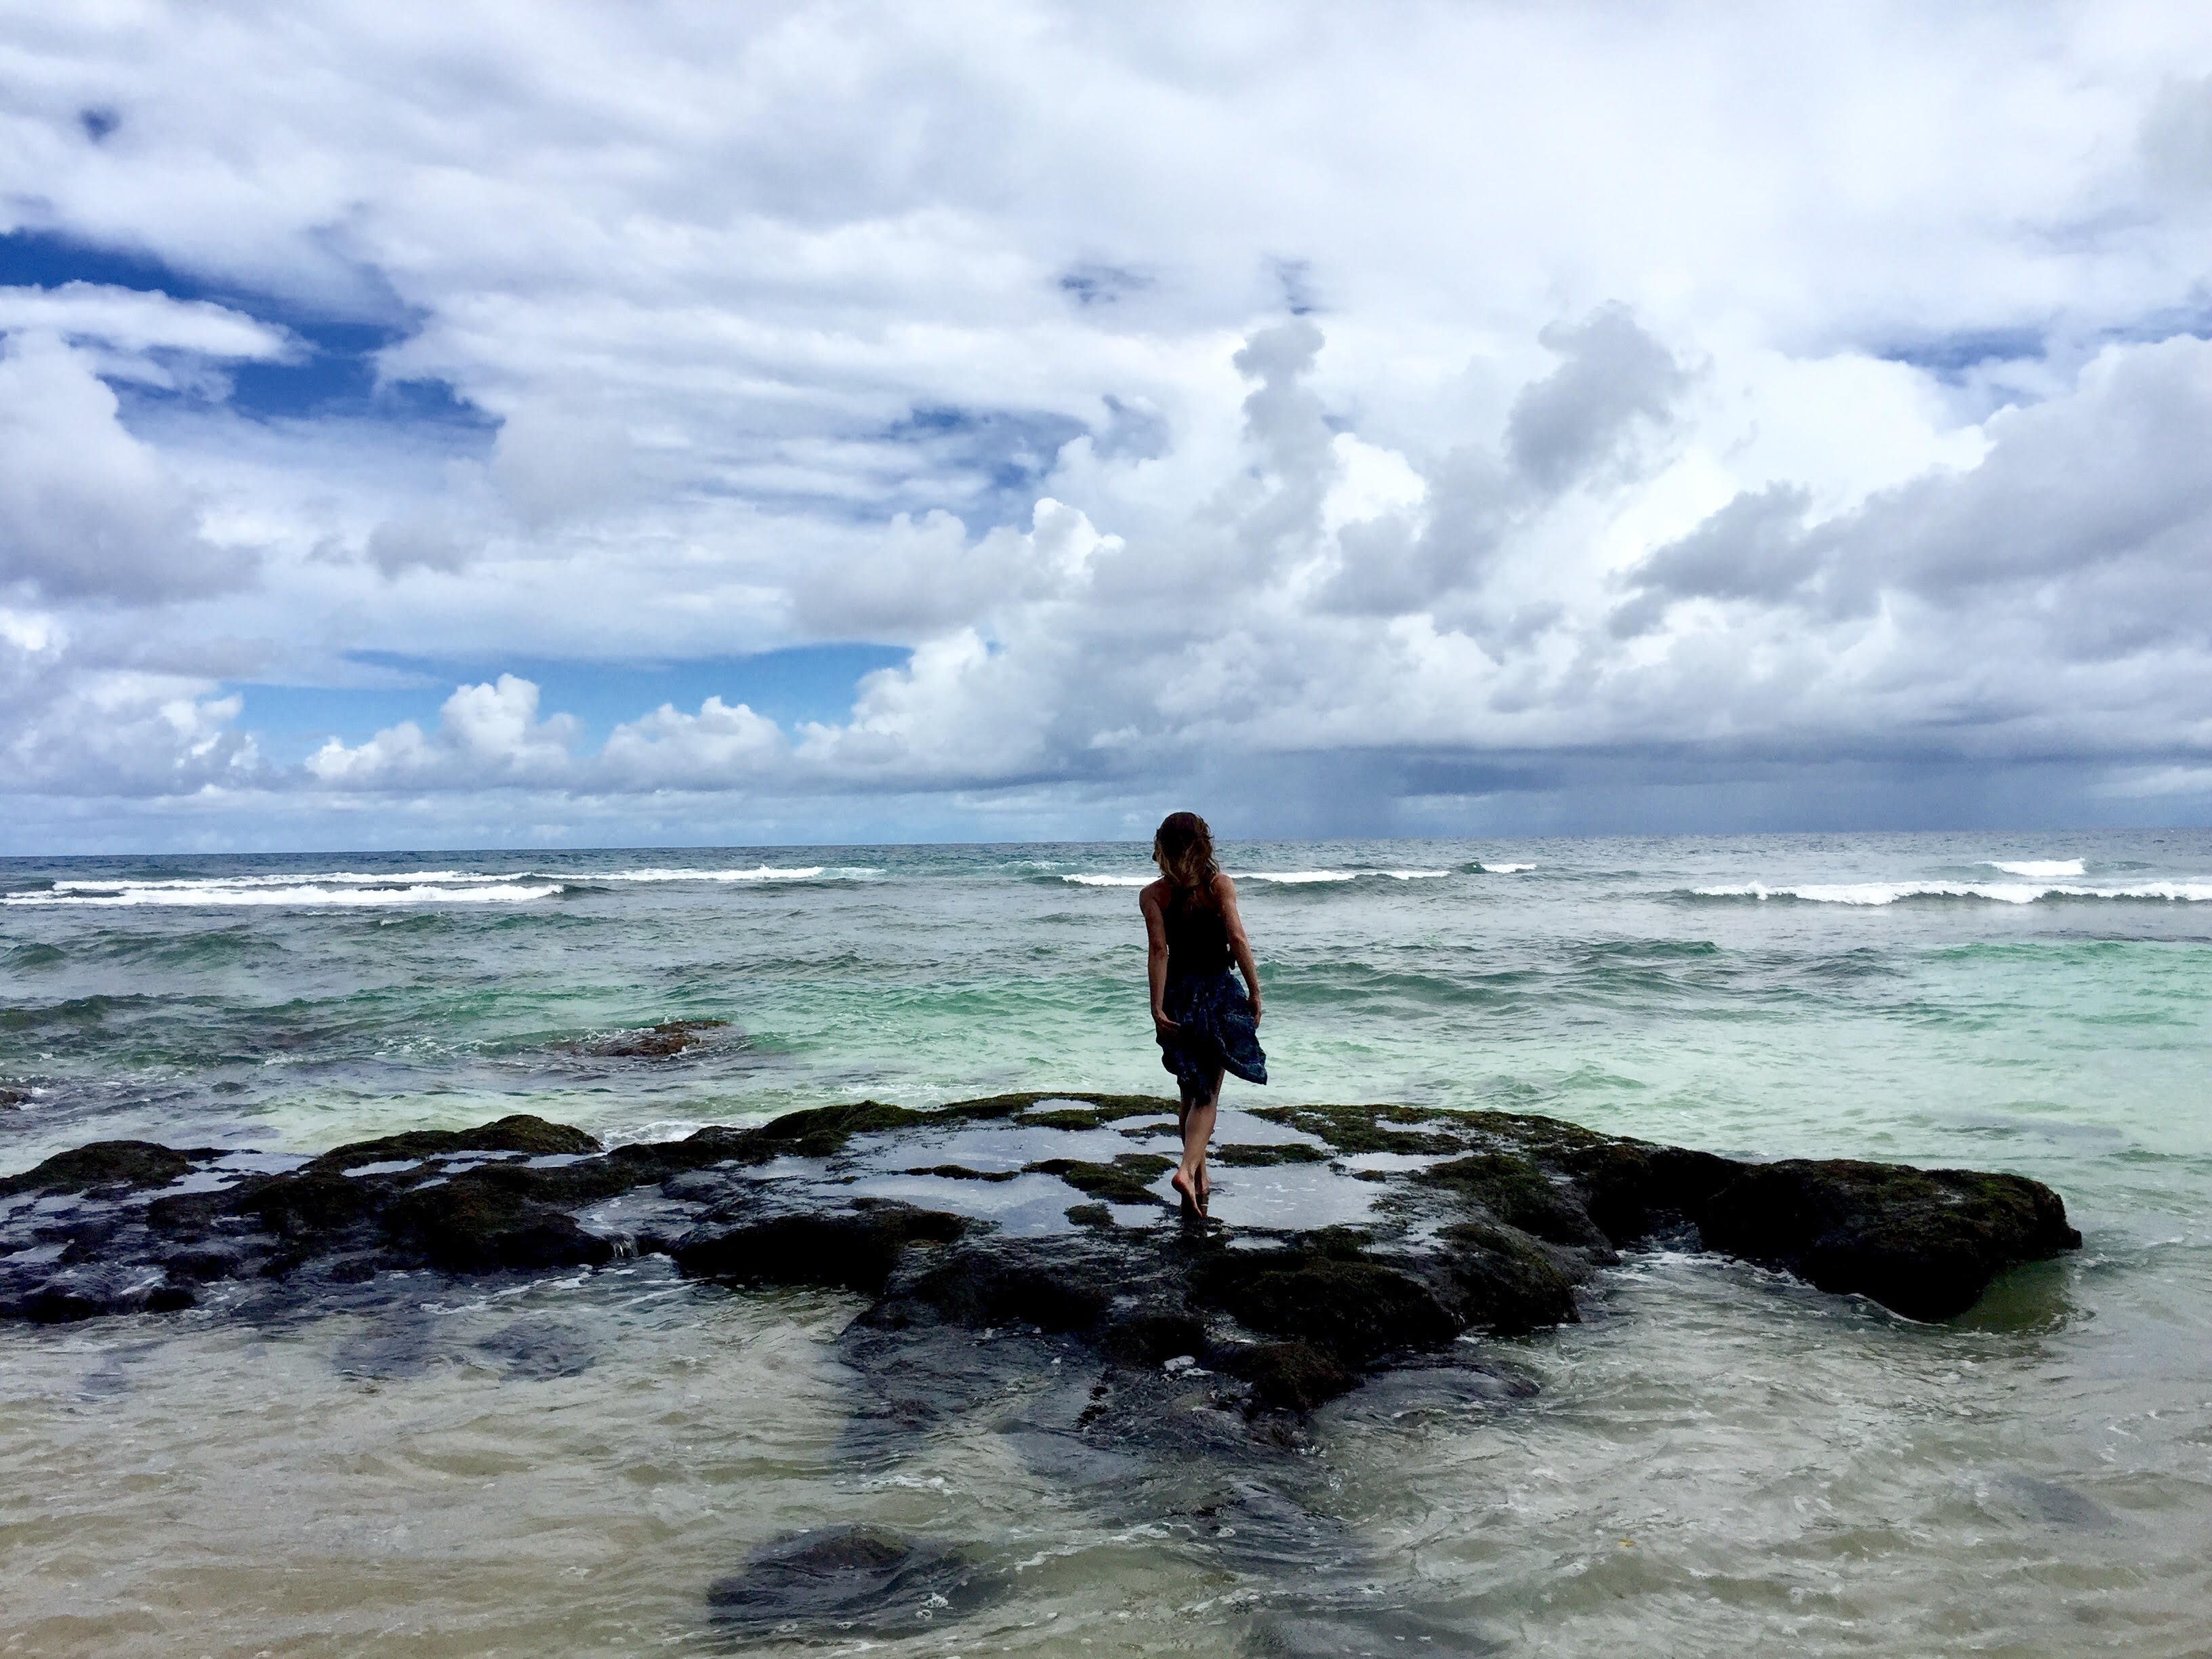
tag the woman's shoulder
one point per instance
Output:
(1153, 896)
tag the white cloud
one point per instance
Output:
(487, 735)
(132, 320)
(1803, 385)
(87, 510)
(69, 728)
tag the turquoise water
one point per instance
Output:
(1789, 1471)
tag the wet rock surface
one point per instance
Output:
(1342, 1238)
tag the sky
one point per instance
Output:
(541, 424)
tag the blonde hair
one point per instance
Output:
(1184, 847)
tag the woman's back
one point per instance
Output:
(1198, 936)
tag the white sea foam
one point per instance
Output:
(2043, 869)
(290, 879)
(1282, 878)
(1891, 893)
(1507, 869)
(303, 893)
(759, 873)
(356, 888)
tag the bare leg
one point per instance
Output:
(1197, 1117)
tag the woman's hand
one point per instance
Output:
(1162, 1025)
(1255, 1013)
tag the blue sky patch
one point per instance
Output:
(802, 683)
(1949, 356)
(338, 375)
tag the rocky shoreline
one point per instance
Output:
(1024, 1269)
(1343, 1238)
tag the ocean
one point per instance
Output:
(1716, 1458)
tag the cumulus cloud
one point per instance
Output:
(69, 728)
(87, 509)
(1638, 392)
(486, 735)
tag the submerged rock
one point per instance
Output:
(848, 1581)
(670, 1036)
(1343, 1237)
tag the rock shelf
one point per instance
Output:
(1343, 1239)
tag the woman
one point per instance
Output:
(1204, 1024)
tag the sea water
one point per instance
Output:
(1716, 1458)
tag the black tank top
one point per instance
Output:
(1198, 937)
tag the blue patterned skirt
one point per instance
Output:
(1215, 1015)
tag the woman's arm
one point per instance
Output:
(1239, 946)
(1156, 957)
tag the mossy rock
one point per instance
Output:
(1505, 1284)
(1291, 1376)
(1247, 1157)
(853, 1251)
(1921, 1242)
(1362, 1128)
(818, 1131)
(108, 1166)
(984, 1288)
(1084, 1111)
(468, 1225)
(1351, 1309)
(1151, 1336)
(670, 1036)
(962, 1172)
(1128, 1180)
(1632, 1189)
(1519, 1194)
(570, 1185)
(521, 1133)
(309, 1205)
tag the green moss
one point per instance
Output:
(1250, 1157)
(962, 1172)
(1071, 1119)
(1127, 1179)
(1517, 1193)
(1537, 1137)
(1360, 1128)
(470, 1224)
(1088, 1111)
(302, 1206)
(106, 1164)
(521, 1133)
(821, 1131)
(1505, 1283)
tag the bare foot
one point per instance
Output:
(1191, 1200)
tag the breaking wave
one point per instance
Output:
(760, 872)
(2043, 869)
(1893, 892)
(296, 892)
(1282, 878)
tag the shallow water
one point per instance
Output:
(1718, 1457)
